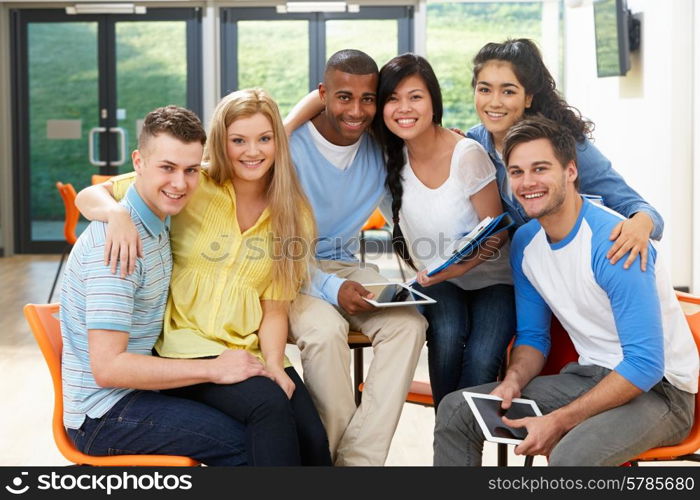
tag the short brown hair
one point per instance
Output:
(539, 127)
(179, 122)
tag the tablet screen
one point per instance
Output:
(492, 412)
(488, 412)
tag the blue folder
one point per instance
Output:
(484, 230)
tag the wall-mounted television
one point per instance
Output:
(616, 35)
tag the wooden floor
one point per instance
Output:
(25, 422)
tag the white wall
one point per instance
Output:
(696, 155)
(644, 120)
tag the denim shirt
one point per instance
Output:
(596, 177)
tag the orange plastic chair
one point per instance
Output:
(71, 217)
(47, 331)
(99, 179)
(688, 448)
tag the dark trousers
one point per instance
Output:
(148, 422)
(279, 431)
(468, 333)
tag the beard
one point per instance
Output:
(557, 200)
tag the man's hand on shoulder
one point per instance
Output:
(123, 244)
(350, 298)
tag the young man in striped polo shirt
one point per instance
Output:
(110, 322)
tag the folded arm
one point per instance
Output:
(113, 366)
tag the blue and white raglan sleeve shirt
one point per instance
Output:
(626, 320)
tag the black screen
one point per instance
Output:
(492, 412)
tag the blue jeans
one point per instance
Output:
(278, 430)
(148, 422)
(468, 333)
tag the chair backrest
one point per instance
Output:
(562, 351)
(99, 179)
(67, 192)
(45, 326)
(375, 221)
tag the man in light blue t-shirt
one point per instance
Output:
(342, 171)
(110, 322)
(634, 383)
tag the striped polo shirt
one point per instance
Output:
(92, 298)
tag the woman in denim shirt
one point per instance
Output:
(510, 80)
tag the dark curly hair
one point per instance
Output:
(533, 75)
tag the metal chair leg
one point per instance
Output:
(58, 273)
(502, 455)
(359, 373)
(502, 451)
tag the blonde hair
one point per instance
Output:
(291, 217)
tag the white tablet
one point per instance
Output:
(488, 412)
(395, 294)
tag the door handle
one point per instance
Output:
(91, 146)
(122, 145)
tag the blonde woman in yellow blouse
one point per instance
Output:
(240, 254)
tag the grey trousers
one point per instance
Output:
(660, 417)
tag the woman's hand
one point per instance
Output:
(631, 236)
(122, 242)
(450, 272)
(282, 379)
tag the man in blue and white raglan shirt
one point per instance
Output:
(634, 383)
(342, 171)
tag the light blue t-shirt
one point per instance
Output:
(627, 320)
(92, 298)
(342, 201)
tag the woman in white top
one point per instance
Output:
(442, 185)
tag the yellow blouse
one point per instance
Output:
(219, 275)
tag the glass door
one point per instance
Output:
(285, 53)
(83, 84)
(268, 66)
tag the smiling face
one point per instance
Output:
(167, 172)
(408, 111)
(350, 105)
(250, 148)
(499, 98)
(539, 181)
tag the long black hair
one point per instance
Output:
(528, 66)
(391, 74)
